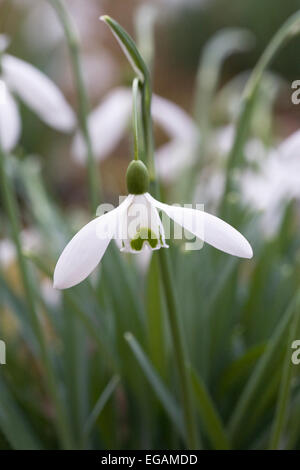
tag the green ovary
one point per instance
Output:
(144, 235)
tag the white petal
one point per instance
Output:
(135, 223)
(172, 157)
(173, 119)
(10, 123)
(4, 42)
(38, 92)
(184, 135)
(208, 228)
(290, 148)
(83, 253)
(107, 124)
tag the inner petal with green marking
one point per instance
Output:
(142, 227)
(144, 235)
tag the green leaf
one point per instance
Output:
(223, 44)
(208, 414)
(239, 369)
(166, 399)
(13, 423)
(156, 315)
(128, 46)
(100, 404)
(284, 391)
(260, 371)
(288, 30)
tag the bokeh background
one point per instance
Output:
(236, 315)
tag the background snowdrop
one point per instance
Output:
(122, 337)
(37, 91)
(110, 120)
(274, 183)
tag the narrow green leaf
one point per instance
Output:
(288, 30)
(208, 414)
(13, 423)
(216, 51)
(100, 404)
(128, 46)
(238, 370)
(155, 316)
(76, 307)
(284, 392)
(260, 371)
(166, 399)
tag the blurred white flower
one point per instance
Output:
(275, 183)
(210, 187)
(7, 252)
(50, 295)
(183, 3)
(222, 142)
(30, 241)
(37, 91)
(4, 42)
(109, 122)
(41, 28)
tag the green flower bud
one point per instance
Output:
(137, 177)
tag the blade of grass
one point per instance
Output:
(13, 423)
(156, 315)
(139, 66)
(216, 51)
(99, 406)
(288, 30)
(162, 393)
(239, 369)
(209, 415)
(83, 105)
(260, 370)
(284, 391)
(10, 203)
(76, 307)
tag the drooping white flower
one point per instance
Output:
(137, 225)
(37, 91)
(277, 180)
(10, 122)
(109, 121)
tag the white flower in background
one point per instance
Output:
(109, 122)
(276, 182)
(30, 240)
(210, 187)
(41, 28)
(137, 225)
(37, 91)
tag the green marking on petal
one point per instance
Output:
(144, 235)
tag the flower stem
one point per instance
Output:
(168, 283)
(83, 105)
(135, 119)
(179, 348)
(12, 213)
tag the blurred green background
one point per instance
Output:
(239, 317)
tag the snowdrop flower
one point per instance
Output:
(210, 187)
(137, 224)
(277, 182)
(37, 91)
(109, 122)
